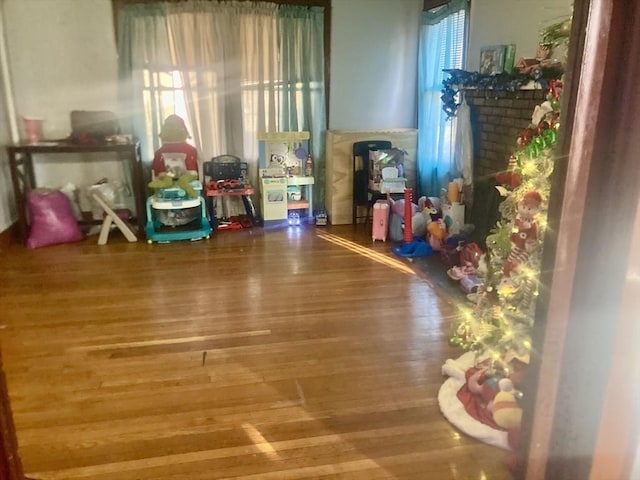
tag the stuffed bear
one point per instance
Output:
(506, 410)
(420, 214)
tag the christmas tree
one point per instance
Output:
(498, 323)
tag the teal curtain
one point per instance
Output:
(143, 40)
(441, 46)
(301, 45)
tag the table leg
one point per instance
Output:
(138, 188)
(19, 190)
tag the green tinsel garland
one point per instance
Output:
(503, 82)
(556, 34)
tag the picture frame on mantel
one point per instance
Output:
(492, 59)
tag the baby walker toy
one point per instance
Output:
(176, 210)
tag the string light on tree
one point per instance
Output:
(499, 324)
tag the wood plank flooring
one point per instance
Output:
(304, 353)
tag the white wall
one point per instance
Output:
(497, 22)
(63, 57)
(374, 51)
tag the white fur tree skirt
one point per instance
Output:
(453, 409)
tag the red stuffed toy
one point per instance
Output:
(525, 232)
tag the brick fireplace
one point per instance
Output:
(497, 118)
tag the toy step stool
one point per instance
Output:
(113, 217)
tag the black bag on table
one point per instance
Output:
(90, 127)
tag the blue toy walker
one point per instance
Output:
(172, 215)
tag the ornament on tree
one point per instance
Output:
(507, 287)
(555, 89)
(539, 114)
(525, 232)
(509, 178)
(542, 127)
(527, 294)
(525, 137)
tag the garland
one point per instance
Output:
(556, 34)
(537, 138)
(502, 82)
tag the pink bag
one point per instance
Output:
(52, 220)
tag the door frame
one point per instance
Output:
(581, 418)
(10, 464)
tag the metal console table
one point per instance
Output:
(23, 176)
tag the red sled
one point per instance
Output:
(380, 220)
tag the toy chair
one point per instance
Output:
(363, 196)
(113, 217)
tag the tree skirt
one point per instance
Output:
(453, 409)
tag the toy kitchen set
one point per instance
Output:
(286, 178)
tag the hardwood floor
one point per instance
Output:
(287, 354)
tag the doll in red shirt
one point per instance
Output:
(175, 152)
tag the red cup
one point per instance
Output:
(33, 129)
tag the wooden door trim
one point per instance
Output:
(558, 267)
(10, 464)
(600, 157)
(618, 432)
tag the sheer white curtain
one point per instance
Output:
(226, 54)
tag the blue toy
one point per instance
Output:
(416, 248)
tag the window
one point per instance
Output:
(230, 69)
(163, 95)
(274, 51)
(442, 46)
